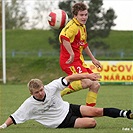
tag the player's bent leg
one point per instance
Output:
(95, 86)
(73, 87)
(88, 111)
(85, 123)
(66, 91)
(93, 90)
(91, 99)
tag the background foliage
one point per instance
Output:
(28, 54)
(33, 41)
(98, 25)
(16, 14)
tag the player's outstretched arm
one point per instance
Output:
(7, 123)
(94, 60)
(74, 77)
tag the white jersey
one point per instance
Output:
(50, 112)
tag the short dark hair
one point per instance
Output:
(78, 7)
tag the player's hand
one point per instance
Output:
(70, 60)
(96, 63)
(95, 76)
(3, 126)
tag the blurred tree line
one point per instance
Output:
(98, 25)
(15, 14)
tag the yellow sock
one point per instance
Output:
(91, 98)
(74, 86)
(66, 91)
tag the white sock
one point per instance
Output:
(123, 113)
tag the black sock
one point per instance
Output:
(114, 112)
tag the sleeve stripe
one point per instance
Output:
(13, 120)
(64, 37)
(64, 82)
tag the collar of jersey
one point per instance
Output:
(76, 21)
(39, 99)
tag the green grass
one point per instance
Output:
(120, 41)
(28, 40)
(20, 70)
(11, 97)
(37, 40)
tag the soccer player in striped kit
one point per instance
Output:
(72, 43)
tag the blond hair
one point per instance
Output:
(34, 84)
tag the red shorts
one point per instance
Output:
(77, 69)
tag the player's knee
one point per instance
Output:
(98, 112)
(93, 123)
(95, 86)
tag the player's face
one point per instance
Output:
(39, 93)
(82, 16)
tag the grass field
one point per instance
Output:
(21, 69)
(11, 96)
(37, 40)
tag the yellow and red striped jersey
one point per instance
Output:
(75, 33)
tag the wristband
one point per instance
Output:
(3, 125)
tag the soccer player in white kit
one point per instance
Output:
(46, 106)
